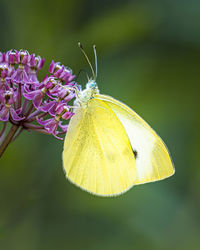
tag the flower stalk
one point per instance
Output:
(8, 138)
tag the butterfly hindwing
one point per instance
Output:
(153, 161)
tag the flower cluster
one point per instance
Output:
(32, 104)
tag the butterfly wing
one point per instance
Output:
(153, 161)
(97, 154)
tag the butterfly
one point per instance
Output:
(109, 148)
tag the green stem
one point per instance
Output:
(3, 130)
(8, 139)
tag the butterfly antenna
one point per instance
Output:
(95, 57)
(81, 47)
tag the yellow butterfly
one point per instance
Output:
(109, 148)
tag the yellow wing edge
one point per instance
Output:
(93, 193)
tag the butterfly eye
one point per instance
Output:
(91, 85)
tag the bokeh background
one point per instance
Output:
(149, 58)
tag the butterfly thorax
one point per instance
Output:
(85, 95)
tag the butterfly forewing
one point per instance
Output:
(97, 152)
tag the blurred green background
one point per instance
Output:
(149, 58)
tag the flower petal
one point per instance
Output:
(30, 95)
(38, 100)
(63, 127)
(14, 115)
(47, 106)
(4, 114)
(67, 115)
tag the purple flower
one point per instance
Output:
(7, 110)
(3, 74)
(22, 57)
(10, 57)
(2, 57)
(29, 103)
(20, 75)
(35, 64)
(61, 72)
(37, 96)
(63, 111)
(51, 126)
(64, 96)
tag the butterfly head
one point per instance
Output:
(92, 85)
(85, 95)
